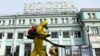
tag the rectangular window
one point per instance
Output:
(77, 34)
(66, 20)
(65, 34)
(23, 21)
(62, 20)
(17, 51)
(27, 49)
(85, 51)
(76, 51)
(89, 15)
(94, 30)
(13, 22)
(51, 20)
(97, 51)
(9, 22)
(74, 20)
(3, 22)
(56, 20)
(9, 35)
(54, 34)
(68, 51)
(0, 35)
(0, 21)
(20, 35)
(7, 50)
(19, 21)
(34, 20)
(30, 21)
(93, 15)
(40, 20)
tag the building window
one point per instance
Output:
(68, 51)
(74, 20)
(77, 34)
(40, 20)
(89, 15)
(85, 51)
(54, 34)
(76, 51)
(9, 22)
(19, 21)
(56, 20)
(34, 20)
(23, 21)
(51, 20)
(66, 20)
(27, 49)
(0, 21)
(30, 21)
(62, 20)
(9, 35)
(93, 15)
(97, 51)
(3, 22)
(20, 35)
(0, 35)
(13, 22)
(66, 34)
(8, 50)
(95, 30)
(17, 51)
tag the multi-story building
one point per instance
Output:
(78, 31)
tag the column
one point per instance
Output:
(21, 50)
(13, 48)
(60, 42)
(3, 44)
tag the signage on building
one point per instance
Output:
(53, 7)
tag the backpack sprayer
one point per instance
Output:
(32, 33)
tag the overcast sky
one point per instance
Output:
(14, 6)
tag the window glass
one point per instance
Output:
(54, 34)
(20, 35)
(9, 35)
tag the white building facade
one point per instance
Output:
(67, 28)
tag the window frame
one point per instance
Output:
(68, 34)
(97, 31)
(11, 37)
(78, 36)
(21, 33)
(1, 35)
(53, 34)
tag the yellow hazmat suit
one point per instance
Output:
(38, 42)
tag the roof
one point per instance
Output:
(90, 10)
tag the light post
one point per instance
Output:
(72, 41)
(14, 46)
(89, 43)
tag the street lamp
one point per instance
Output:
(89, 43)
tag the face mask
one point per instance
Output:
(45, 27)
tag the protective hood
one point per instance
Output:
(43, 23)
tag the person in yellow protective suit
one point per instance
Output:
(38, 41)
